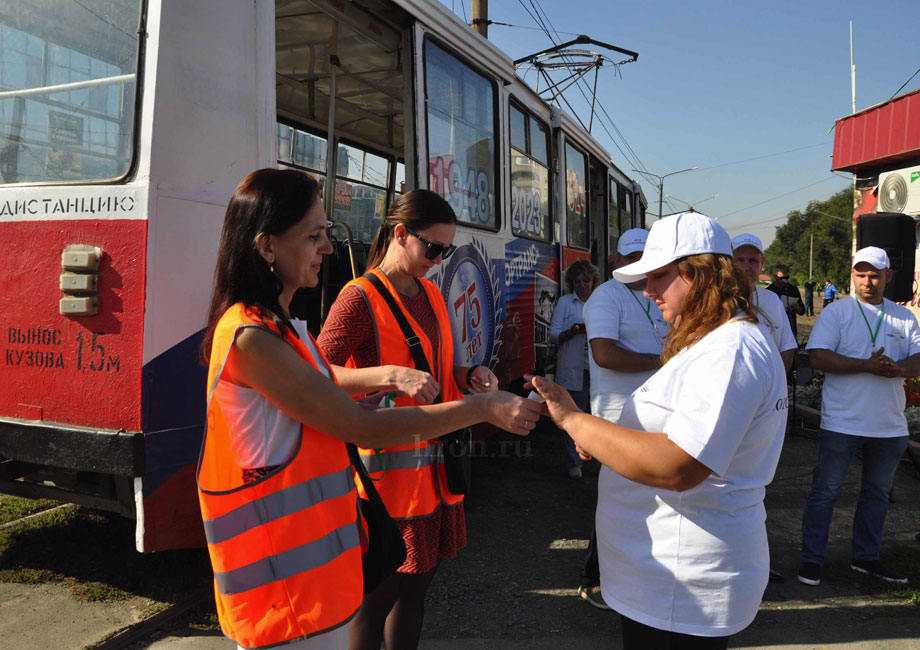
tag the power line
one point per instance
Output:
(823, 180)
(629, 155)
(904, 84)
(769, 155)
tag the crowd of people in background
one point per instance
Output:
(672, 374)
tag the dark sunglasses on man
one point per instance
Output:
(434, 248)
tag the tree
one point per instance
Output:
(832, 221)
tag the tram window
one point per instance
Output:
(400, 178)
(538, 142)
(614, 228)
(518, 130)
(285, 142)
(461, 137)
(530, 202)
(628, 207)
(576, 228)
(83, 133)
(360, 184)
(309, 151)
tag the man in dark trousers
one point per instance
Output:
(809, 287)
(788, 295)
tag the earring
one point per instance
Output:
(271, 266)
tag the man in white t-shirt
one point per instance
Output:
(625, 329)
(866, 345)
(747, 250)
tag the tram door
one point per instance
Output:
(597, 211)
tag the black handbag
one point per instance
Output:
(455, 445)
(386, 548)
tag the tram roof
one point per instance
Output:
(456, 33)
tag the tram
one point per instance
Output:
(125, 125)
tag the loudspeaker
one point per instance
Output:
(897, 235)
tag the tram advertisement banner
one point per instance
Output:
(500, 297)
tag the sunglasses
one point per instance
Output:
(434, 249)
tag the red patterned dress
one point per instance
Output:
(349, 332)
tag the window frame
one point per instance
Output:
(568, 142)
(496, 128)
(514, 104)
(134, 160)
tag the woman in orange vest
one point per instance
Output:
(362, 332)
(276, 487)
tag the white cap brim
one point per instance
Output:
(640, 269)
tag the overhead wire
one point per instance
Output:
(629, 154)
(904, 84)
(774, 198)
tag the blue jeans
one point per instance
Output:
(583, 401)
(880, 458)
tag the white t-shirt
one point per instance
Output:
(614, 311)
(772, 316)
(697, 562)
(863, 404)
(261, 434)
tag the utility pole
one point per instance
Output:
(479, 17)
(661, 182)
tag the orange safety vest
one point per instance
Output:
(286, 550)
(414, 484)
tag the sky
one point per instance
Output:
(720, 82)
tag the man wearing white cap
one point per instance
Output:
(625, 329)
(748, 252)
(866, 346)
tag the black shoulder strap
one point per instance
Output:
(413, 341)
(361, 471)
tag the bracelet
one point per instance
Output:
(469, 375)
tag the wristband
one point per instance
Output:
(469, 376)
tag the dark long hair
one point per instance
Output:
(267, 201)
(417, 210)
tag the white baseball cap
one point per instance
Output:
(632, 240)
(873, 255)
(747, 239)
(675, 237)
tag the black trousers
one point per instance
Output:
(637, 636)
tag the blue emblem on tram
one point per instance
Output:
(469, 284)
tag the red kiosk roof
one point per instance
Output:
(879, 135)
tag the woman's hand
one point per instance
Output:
(509, 412)
(482, 380)
(559, 404)
(418, 385)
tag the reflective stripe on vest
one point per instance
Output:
(289, 539)
(278, 504)
(413, 486)
(289, 563)
(407, 459)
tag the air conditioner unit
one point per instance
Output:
(899, 191)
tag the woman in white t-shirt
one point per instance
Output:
(680, 515)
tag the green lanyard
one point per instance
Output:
(648, 309)
(757, 297)
(878, 324)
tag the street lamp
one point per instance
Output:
(690, 205)
(661, 182)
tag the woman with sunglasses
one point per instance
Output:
(274, 476)
(361, 331)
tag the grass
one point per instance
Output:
(905, 559)
(13, 508)
(92, 554)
